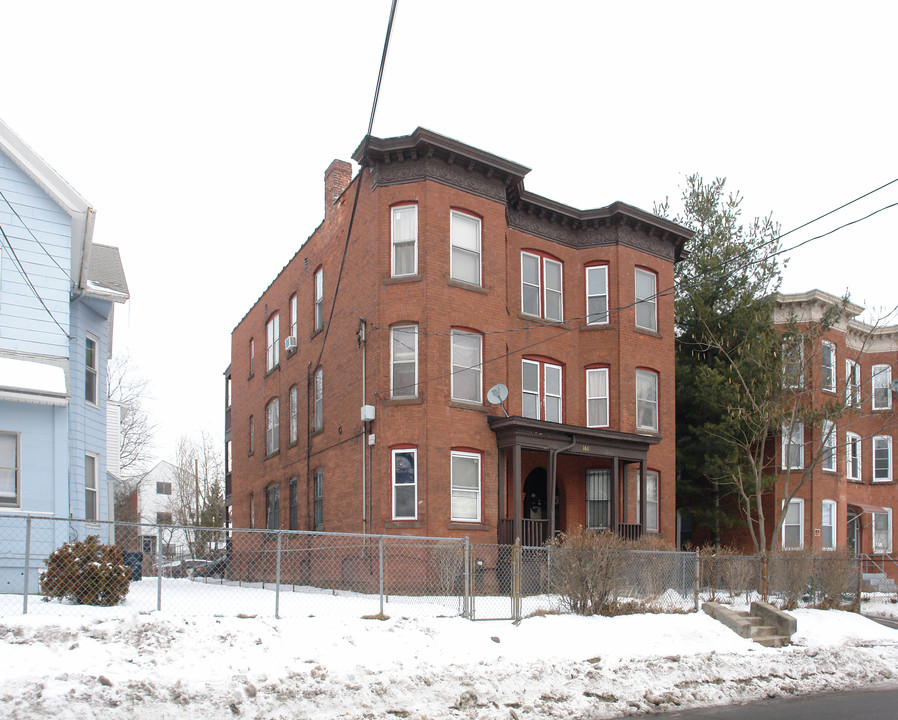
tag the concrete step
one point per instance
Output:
(753, 627)
(773, 641)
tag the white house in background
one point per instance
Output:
(57, 293)
(156, 489)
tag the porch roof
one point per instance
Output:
(596, 442)
(864, 508)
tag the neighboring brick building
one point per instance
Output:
(849, 501)
(456, 279)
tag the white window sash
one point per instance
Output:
(472, 373)
(793, 446)
(646, 305)
(828, 362)
(597, 397)
(799, 526)
(404, 361)
(531, 290)
(646, 399)
(829, 456)
(465, 495)
(852, 456)
(882, 391)
(405, 488)
(828, 525)
(882, 449)
(464, 238)
(553, 292)
(404, 229)
(598, 315)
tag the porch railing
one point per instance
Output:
(534, 533)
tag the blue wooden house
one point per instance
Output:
(57, 293)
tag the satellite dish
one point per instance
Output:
(894, 386)
(496, 396)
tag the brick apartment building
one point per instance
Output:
(456, 280)
(848, 503)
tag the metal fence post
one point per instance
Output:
(516, 581)
(380, 565)
(698, 576)
(159, 568)
(277, 580)
(466, 580)
(549, 569)
(27, 565)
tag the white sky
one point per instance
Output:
(200, 131)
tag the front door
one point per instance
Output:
(853, 534)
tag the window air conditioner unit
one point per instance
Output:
(290, 343)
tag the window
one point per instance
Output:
(793, 362)
(793, 446)
(273, 342)
(273, 508)
(252, 435)
(294, 504)
(163, 518)
(646, 400)
(319, 299)
(252, 356)
(404, 229)
(545, 404)
(541, 292)
(294, 318)
(828, 456)
(882, 531)
(853, 456)
(404, 361)
(90, 370)
(228, 455)
(10, 468)
(646, 302)
(91, 488)
(272, 426)
(464, 237)
(465, 486)
(318, 409)
(882, 391)
(793, 526)
(319, 498)
(294, 414)
(828, 525)
(597, 397)
(828, 361)
(405, 484)
(163, 488)
(598, 498)
(651, 500)
(467, 350)
(597, 295)
(852, 383)
(882, 458)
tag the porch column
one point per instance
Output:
(614, 514)
(516, 487)
(550, 492)
(642, 497)
(503, 486)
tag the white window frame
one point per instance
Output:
(272, 426)
(829, 460)
(542, 393)
(294, 317)
(796, 439)
(543, 290)
(652, 402)
(294, 414)
(793, 368)
(318, 498)
(886, 441)
(458, 335)
(526, 285)
(318, 406)
(800, 503)
(833, 524)
(413, 452)
(882, 381)
(598, 492)
(601, 317)
(92, 489)
(463, 491)
(651, 504)
(252, 356)
(828, 347)
(853, 457)
(852, 383)
(599, 401)
(319, 299)
(880, 548)
(12, 469)
(649, 300)
(406, 336)
(91, 370)
(456, 248)
(399, 242)
(273, 342)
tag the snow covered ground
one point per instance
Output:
(422, 662)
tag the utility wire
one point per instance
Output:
(358, 180)
(65, 272)
(24, 273)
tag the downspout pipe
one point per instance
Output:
(553, 462)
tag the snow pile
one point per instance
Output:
(420, 663)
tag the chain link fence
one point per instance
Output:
(202, 571)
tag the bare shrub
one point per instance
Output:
(446, 561)
(790, 577)
(587, 567)
(836, 581)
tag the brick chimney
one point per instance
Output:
(336, 179)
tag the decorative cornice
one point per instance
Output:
(441, 171)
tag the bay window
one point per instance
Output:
(467, 352)
(541, 388)
(464, 238)
(646, 283)
(882, 391)
(793, 446)
(404, 361)
(646, 400)
(597, 397)
(597, 295)
(541, 287)
(404, 240)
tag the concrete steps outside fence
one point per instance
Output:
(764, 624)
(877, 582)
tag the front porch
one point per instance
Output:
(595, 488)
